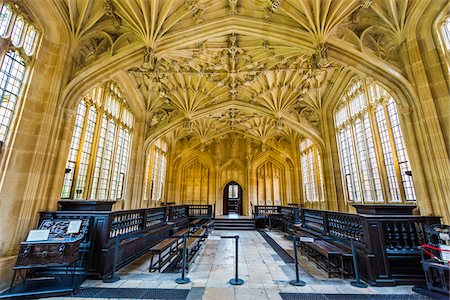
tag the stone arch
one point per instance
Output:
(201, 170)
(284, 184)
(239, 175)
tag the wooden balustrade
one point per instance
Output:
(151, 223)
(388, 244)
(262, 211)
(200, 211)
(177, 212)
(287, 216)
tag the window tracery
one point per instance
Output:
(99, 153)
(18, 39)
(373, 158)
(155, 171)
(312, 175)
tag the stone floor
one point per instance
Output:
(264, 272)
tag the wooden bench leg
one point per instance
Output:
(150, 268)
(13, 279)
(328, 267)
(159, 262)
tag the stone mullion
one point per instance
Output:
(147, 179)
(317, 170)
(297, 184)
(379, 153)
(366, 147)
(168, 177)
(394, 153)
(358, 169)
(80, 151)
(94, 149)
(150, 183)
(377, 147)
(113, 158)
(265, 183)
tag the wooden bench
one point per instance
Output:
(165, 250)
(193, 245)
(195, 224)
(327, 256)
(209, 226)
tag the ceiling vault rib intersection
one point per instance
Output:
(255, 56)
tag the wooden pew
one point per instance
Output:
(386, 240)
(165, 251)
(326, 255)
(193, 245)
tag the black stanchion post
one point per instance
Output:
(113, 277)
(297, 281)
(357, 282)
(236, 280)
(183, 279)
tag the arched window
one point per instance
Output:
(14, 61)
(99, 153)
(445, 32)
(373, 158)
(155, 171)
(312, 176)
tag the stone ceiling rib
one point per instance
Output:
(195, 62)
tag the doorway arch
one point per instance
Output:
(232, 198)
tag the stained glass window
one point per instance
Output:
(370, 143)
(99, 170)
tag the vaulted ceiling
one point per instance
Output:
(259, 68)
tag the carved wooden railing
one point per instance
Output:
(177, 212)
(200, 211)
(403, 235)
(388, 245)
(289, 214)
(132, 221)
(150, 225)
(334, 224)
(263, 211)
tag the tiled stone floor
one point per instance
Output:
(263, 271)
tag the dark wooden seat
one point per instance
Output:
(327, 256)
(165, 250)
(193, 245)
(195, 224)
(209, 226)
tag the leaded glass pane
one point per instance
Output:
(74, 148)
(387, 154)
(16, 34)
(86, 154)
(12, 72)
(29, 40)
(5, 19)
(400, 149)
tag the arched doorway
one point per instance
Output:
(232, 199)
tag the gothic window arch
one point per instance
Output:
(18, 40)
(270, 183)
(155, 171)
(312, 174)
(444, 35)
(374, 162)
(99, 153)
